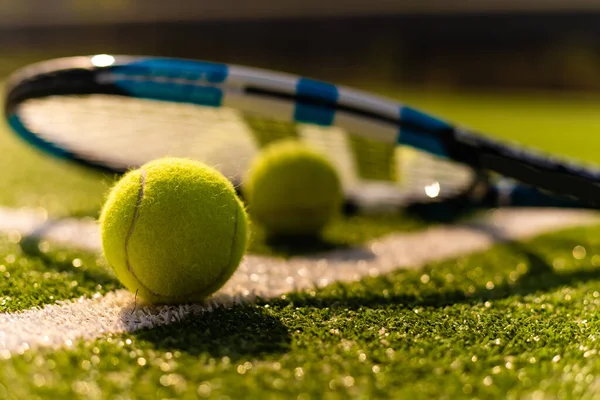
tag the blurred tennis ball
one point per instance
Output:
(174, 230)
(292, 190)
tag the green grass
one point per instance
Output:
(29, 178)
(34, 273)
(518, 321)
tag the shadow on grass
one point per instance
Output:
(242, 332)
(352, 231)
(30, 245)
(446, 212)
(289, 246)
(300, 245)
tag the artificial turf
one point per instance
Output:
(35, 273)
(517, 321)
(29, 178)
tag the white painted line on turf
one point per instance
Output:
(80, 233)
(63, 323)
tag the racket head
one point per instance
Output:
(117, 112)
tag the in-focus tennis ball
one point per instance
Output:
(292, 190)
(174, 230)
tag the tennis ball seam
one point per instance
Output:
(233, 243)
(235, 229)
(132, 228)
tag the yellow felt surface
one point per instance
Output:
(292, 189)
(183, 235)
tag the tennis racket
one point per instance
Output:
(118, 112)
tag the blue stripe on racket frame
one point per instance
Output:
(15, 122)
(167, 87)
(416, 137)
(315, 114)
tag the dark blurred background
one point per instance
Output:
(532, 44)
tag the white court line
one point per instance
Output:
(63, 323)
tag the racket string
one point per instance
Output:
(124, 132)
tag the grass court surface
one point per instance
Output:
(519, 320)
